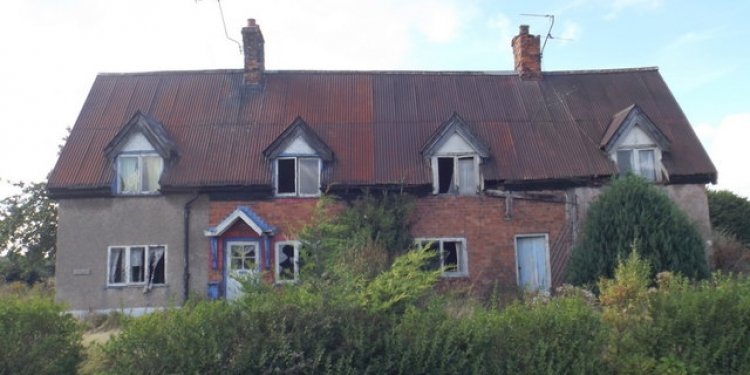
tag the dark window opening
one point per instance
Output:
(433, 263)
(450, 256)
(445, 175)
(286, 263)
(286, 176)
(157, 270)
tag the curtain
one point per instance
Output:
(647, 164)
(128, 174)
(152, 167)
(155, 256)
(115, 266)
(136, 264)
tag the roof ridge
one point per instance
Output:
(403, 72)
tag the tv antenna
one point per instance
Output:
(551, 18)
(224, 23)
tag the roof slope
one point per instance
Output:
(375, 124)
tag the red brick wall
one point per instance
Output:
(490, 237)
(481, 220)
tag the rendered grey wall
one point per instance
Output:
(87, 227)
(691, 199)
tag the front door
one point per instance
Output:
(533, 270)
(241, 263)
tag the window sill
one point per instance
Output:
(155, 194)
(134, 286)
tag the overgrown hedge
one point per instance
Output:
(36, 336)
(679, 327)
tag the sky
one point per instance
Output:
(51, 51)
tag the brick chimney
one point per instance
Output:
(526, 54)
(252, 40)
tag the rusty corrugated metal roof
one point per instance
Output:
(375, 123)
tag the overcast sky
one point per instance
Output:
(51, 51)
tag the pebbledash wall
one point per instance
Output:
(88, 227)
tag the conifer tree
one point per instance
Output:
(633, 212)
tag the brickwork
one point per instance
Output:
(527, 54)
(481, 221)
(252, 40)
(490, 237)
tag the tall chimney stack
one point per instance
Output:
(252, 40)
(527, 55)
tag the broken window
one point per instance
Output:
(299, 176)
(136, 265)
(287, 261)
(139, 173)
(451, 255)
(457, 175)
(641, 162)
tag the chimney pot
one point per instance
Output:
(523, 29)
(251, 22)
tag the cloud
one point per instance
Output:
(688, 40)
(571, 31)
(726, 144)
(620, 5)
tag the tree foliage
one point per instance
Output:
(28, 234)
(631, 211)
(730, 213)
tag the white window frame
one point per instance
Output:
(462, 268)
(297, 180)
(279, 246)
(635, 163)
(139, 156)
(127, 268)
(455, 188)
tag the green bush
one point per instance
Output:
(36, 336)
(731, 213)
(705, 326)
(632, 210)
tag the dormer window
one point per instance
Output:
(640, 162)
(636, 144)
(298, 176)
(457, 175)
(139, 153)
(455, 153)
(298, 157)
(139, 173)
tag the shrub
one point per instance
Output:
(37, 336)
(730, 213)
(631, 210)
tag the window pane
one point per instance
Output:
(309, 176)
(152, 168)
(624, 161)
(450, 256)
(286, 262)
(116, 267)
(467, 177)
(285, 175)
(156, 270)
(445, 175)
(137, 270)
(435, 262)
(647, 164)
(127, 174)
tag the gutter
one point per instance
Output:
(186, 241)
